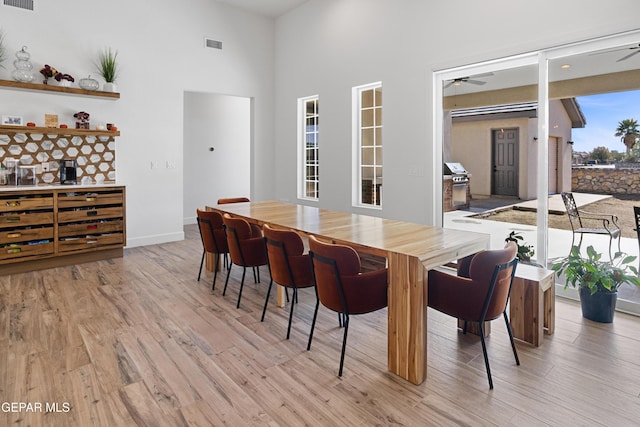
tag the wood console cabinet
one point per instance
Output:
(44, 228)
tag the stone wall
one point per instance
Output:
(605, 180)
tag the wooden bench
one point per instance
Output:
(531, 306)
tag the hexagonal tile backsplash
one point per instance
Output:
(95, 155)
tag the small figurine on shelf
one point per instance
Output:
(83, 120)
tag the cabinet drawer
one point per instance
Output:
(25, 235)
(90, 214)
(12, 204)
(24, 250)
(19, 219)
(90, 227)
(89, 199)
(89, 242)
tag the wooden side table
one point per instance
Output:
(532, 304)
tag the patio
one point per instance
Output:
(559, 240)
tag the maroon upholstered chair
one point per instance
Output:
(341, 287)
(256, 228)
(288, 265)
(214, 240)
(245, 249)
(480, 296)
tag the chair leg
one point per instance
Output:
(610, 241)
(484, 353)
(201, 264)
(513, 344)
(344, 343)
(294, 298)
(215, 271)
(266, 301)
(244, 270)
(255, 278)
(313, 325)
(286, 292)
(226, 282)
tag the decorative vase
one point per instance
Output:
(23, 66)
(109, 87)
(89, 84)
(599, 307)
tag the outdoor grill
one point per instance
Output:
(457, 194)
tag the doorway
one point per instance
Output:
(217, 150)
(504, 179)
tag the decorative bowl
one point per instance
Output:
(89, 84)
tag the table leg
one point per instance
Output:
(407, 325)
(280, 296)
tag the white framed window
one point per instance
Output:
(367, 143)
(308, 148)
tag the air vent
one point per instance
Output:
(22, 4)
(215, 44)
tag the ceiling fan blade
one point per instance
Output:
(624, 58)
(617, 49)
(475, 82)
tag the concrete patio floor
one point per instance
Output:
(559, 240)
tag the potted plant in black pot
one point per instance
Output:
(597, 281)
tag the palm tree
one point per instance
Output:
(628, 132)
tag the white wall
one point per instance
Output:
(326, 47)
(160, 45)
(223, 123)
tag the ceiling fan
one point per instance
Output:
(635, 50)
(460, 80)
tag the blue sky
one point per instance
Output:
(603, 113)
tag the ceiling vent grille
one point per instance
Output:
(214, 44)
(22, 4)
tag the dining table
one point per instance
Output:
(410, 250)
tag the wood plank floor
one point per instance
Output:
(138, 341)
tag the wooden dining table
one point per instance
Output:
(410, 250)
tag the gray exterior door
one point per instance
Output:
(504, 180)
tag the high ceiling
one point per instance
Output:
(271, 8)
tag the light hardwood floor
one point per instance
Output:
(138, 341)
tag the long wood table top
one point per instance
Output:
(433, 246)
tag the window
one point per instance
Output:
(368, 140)
(308, 184)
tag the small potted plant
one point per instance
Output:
(597, 280)
(48, 72)
(64, 79)
(525, 250)
(108, 68)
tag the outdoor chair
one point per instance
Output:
(479, 293)
(583, 222)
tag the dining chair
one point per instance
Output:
(214, 240)
(583, 222)
(479, 293)
(341, 287)
(227, 200)
(288, 265)
(245, 249)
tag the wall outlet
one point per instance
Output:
(45, 166)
